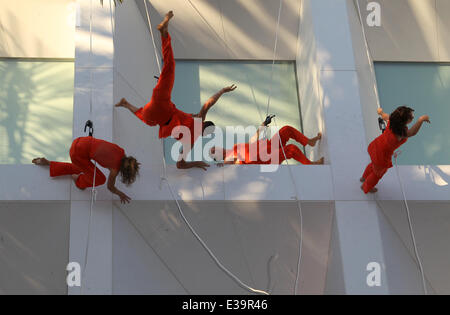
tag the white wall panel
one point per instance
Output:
(430, 224)
(411, 30)
(97, 278)
(248, 28)
(34, 247)
(245, 236)
(37, 29)
(333, 40)
(24, 182)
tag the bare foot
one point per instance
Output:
(312, 142)
(319, 162)
(164, 26)
(41, 161)
(374, 190)
(123, 102)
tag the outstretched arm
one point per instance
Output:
(112, 187)
(124, 103)
(258, 132)
(182, 164)
(263, 126)
(213, 100)
(415, 129)
(383, 114)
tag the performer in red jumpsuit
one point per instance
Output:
(260, 151)
(106, 154)
(382, 148)
(161, 111)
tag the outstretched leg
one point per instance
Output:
(163, 27)
(59, 168)
(163, 90)
(293, 152)
(312, 142)
(160, 109)
(287, 133)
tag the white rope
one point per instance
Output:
(297, 199)
(268, 107)
(93, 200)
(377, 96)
(180, 210)
(413, 236)
(113, 30)
(153, 38)
(229, 50)
(369, 55)
(164, 175)
(231, 53)
(184, 218)
(150, 247)
(221, 266)
(274, 57)
(273, 67)
(93, 190)
(211, 254)
(131, 222)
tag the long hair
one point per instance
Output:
(399, 119)
(129, 170)
(208, 124)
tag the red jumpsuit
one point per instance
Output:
(381, 151)
(243, 152)
(84, 150)
(160, 110)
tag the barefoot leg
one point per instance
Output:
(321, 161)
(164, 26)
(312, 142)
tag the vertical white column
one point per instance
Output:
(93, 74)
(356, 236)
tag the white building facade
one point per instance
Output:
(250, 219)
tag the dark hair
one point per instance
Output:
(399, 119)
(129, 170)
(207, 124)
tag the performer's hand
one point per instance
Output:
(425, 118)
(203, 165)
(230, 88)
(268, 120)
(124, 198)
(380, 111)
